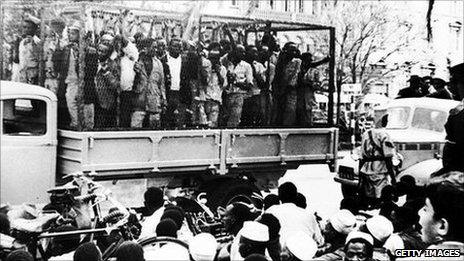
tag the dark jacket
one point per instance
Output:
(453, 152)
(185, 91)
(61, 66)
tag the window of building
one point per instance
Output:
(24, 117)
(234, 2)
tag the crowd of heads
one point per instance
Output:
(442, 85)
(430, 217)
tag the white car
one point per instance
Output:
(416, 125)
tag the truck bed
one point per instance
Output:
(119, 154)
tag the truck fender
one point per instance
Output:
(421, 171)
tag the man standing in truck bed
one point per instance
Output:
(240, 80)
(28, 53)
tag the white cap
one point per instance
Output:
(255, 231)
(379, 227)
(358, 234)
(343, 221)
(301, 245)
(203, 247)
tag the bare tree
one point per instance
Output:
(364, 29)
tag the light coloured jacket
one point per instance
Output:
(150, 90)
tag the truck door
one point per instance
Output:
(28, 148)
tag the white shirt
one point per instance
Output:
(72, 75)
(169, 251)
(293, 219)
(150, 223)
(131, 55)
(174, 68)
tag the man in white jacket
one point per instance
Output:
(292, 218)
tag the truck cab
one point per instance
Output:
(29, 140)
(416, 126)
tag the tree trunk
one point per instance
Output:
(429, 20)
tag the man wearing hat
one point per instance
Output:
(380, 228)
(29, 51)
(253, 238)
(414, 89)
(335, 232)
(359, 246)
(441, 90)
(67, 60)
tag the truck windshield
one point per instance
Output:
(429, 119)
(24, 117)
(398, 117)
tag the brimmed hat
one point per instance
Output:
(255, 231)
(203, 247)
(343, 221)
(379, 227)
(301, 245)
(359, 234)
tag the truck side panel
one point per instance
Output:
(279, 145)
(137, 152)
(131, 153)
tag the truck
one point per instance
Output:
(228, 164)
(416, 126)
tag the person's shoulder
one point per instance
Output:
(456, 110)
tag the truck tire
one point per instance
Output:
(226, 191)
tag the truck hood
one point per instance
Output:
(415, 135)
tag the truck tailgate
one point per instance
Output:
(116, 154)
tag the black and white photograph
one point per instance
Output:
(233, 130)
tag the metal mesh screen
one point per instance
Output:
(92, 57)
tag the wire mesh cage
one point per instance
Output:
(94, 58)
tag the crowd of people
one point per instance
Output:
(288, 229)
(146, 82)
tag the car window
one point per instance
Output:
(398, 117)
(429, 119)
(24, 117)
